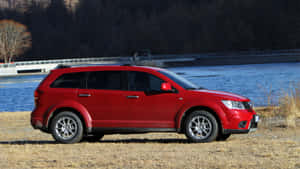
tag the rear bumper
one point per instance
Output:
(251, 127)
(37, 118)
(37, 123)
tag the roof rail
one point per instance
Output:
(128, 64)
(61, 66)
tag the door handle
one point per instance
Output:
(84, 95)
(133, 97)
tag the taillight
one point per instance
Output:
(37, 94)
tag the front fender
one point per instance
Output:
(208, 105)
(70, 104)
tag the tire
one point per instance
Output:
(201, 126)
(223, 137)
(94, 138)
(67, 128)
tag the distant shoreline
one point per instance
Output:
(198, 62)
(165, 61)
(235, 60)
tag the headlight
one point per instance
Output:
(234, 104)
(251, 105)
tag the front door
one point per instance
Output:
(149, 106)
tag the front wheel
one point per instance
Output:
(67, 128)
(201, 126)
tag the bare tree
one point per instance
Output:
(71, 4)
(14, 40)
(11, 4)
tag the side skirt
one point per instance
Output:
(108, 130)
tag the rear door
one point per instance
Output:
(105, 98)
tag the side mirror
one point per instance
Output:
(166, 87)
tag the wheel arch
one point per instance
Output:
(83, 115)
(194, 108)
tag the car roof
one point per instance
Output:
(79, 68)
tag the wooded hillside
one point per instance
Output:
(119, 27)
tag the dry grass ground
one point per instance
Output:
(23, 147)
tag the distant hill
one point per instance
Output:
(121, 27)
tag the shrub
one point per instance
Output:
(289, 106)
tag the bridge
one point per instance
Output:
(44, 66)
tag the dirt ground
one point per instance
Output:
(23, 147)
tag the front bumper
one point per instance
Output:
(251, 127)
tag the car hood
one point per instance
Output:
(222, 95)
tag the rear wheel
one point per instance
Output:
(201, 126)
(66, 127)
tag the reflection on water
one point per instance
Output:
(254, 81)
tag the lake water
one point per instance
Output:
(256, 82)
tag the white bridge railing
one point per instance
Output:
(10, 65)
(71, 61)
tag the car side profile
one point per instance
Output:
(76, 103)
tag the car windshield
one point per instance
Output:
(180, 80)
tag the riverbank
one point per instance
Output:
(23, 147)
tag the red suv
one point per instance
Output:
(87, 102)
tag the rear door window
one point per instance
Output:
(69, 80)
(105, 80)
